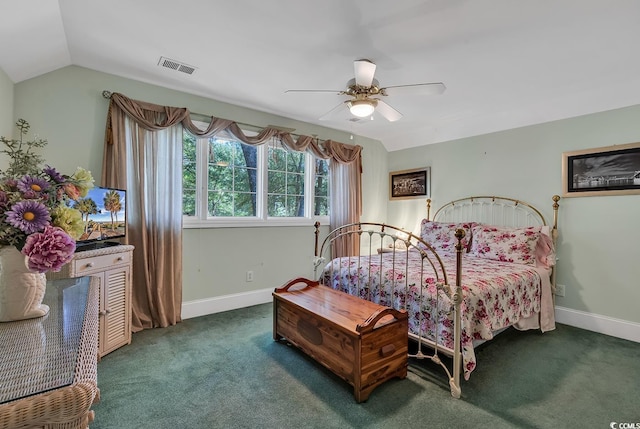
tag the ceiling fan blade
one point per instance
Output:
(333, 112)
(389, 113)
(364, 71)
(333, 91)
(432, 88)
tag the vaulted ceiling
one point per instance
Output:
(504, 63)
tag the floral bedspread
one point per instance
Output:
(495, 294)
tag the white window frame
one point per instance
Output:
(202, 220)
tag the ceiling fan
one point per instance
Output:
(365, 91)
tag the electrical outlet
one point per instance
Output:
(249, 276)
(560, 290)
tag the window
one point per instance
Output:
(227, 182)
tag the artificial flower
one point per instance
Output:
(32, 184)
(70, 220)
(36, 213)
(83, 180)
(4, 200)
(48, 250)
(28, 216)
(72, 191)
(53, 174)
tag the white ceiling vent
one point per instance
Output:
(176, 65)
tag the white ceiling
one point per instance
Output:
(505, 63)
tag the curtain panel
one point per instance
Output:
(154, 181)
(157, 297)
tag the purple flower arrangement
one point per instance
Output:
(37, 214)
(37, 218)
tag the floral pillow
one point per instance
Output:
(442, 235)
(545, 250)
(516, 245)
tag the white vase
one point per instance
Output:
(21, 290)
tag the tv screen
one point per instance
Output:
(103, 213)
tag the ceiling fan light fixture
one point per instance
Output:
(362, 108)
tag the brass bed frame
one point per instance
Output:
(374, 239)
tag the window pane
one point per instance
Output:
(277, 182)
(321, 206)
(295, 184)
(188, 148)
(295, 161)
(295, 206)
(244, 204)
(238, 156)
(189, 175)
(188, 202)
(220, 204)
(322, 167)
(285, 182)
(220, 152)
(276, 205)
(229, 175)
(246, 155)
(220, 178)
(277, 159)
(232, 174)
(321, 188)
(241, 182)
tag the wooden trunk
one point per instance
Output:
(364, 343)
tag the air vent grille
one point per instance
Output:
(176, 65)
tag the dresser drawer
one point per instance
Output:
(99, 263)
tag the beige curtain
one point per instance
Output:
(143, 155)
(346, 198)
(154, 178)
(137, 154)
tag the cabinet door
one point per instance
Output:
(115, 326)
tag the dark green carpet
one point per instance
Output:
(225, 371)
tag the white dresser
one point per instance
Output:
(112, 265)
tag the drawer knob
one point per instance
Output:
(89, 265)
(119, 259)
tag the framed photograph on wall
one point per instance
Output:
(410, 183)
(611, 170)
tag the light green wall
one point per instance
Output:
(6, 109)
(599, 236)
(66, 107)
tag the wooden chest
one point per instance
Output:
(364, 343)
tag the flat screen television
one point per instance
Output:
(104, 214)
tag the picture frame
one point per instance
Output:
(609, 170)
(407, 184)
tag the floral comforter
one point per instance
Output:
(495, 294)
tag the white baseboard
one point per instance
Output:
(218, 304)
(597, 323)
(580, 319)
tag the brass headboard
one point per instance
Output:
(493, 210)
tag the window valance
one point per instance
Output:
(155, 117)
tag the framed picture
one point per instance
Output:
(410, 183)
(611, 170)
